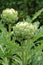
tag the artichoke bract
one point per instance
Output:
(9, 15)
(24, 30)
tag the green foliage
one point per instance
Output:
(36, 59)
(21, 45)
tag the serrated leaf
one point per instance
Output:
(39, 34)
(37, 14)
(17, 59)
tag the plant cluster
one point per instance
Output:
(22, 44)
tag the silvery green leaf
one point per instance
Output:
(36, 24)
(37, 14)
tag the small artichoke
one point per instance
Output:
(9, 16)
(24, 30)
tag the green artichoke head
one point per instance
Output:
(24, 30)
(9, 16)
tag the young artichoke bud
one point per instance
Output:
(24, 30)
(9, 16)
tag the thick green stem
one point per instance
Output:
(24, 57)
(9, 28)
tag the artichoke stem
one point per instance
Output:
(9, 28)
(24, 56)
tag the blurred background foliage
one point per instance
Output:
(24, 7)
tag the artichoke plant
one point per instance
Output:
(9, 15)
(24, 30)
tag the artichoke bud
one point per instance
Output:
(9, 16)
(24, 30)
